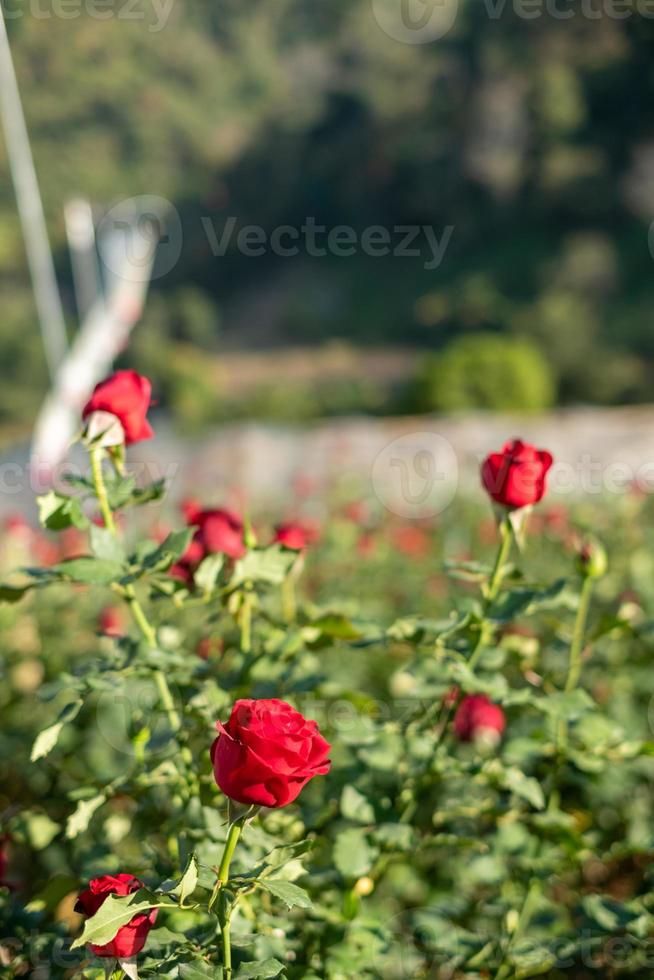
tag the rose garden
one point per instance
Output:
(242, 748)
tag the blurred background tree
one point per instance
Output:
(531, 137)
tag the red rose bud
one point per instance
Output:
(478, 717)
(126, 396)
(294, 536)
(267, 752)
(130, 939)
(591, 560)
(111, 621)
(516, 476)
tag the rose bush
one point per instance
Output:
(423, 847)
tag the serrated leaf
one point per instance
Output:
(261, 970)
(354, 856)
(354, 806)
(292, 895)
(46, 740)
(105, 544)
(189, 880)
(79, 820)
(207, 572)
(90, 571)
(268, 566)
(57, 512)
(197, 971)
(526, 787)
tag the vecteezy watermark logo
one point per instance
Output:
(341, 241)
(415, 21)
(133, 231)
(416, 475)
(153, 14)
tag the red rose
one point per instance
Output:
(130, 939)
(267, 752)
(294, 536)
(111, 621)
(126, 395)
(219, 532)
(476, 715)
(516, 476)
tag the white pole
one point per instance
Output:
(30, 208)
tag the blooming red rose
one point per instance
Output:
(267, 752)
(130, 939)
(126, 395)
(477, 715)
(221, 531)
(218, 532)
(516, 476)
(294, 536)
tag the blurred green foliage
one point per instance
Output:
(489, 372)
(531, 137)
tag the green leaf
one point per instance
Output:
(569, 705)
(114, 913)
(14, 593)
(609, 914)
(354, 806)
(57, 512)
(198, 970)
(189, 880)
(79, 820)
(292, 895)
(145, 495)
(526, 787)
(35, 829)
(268, 566)
(153, 557)
(353, 854)
(105, 544)
(263, 969)
(46, 740)
(207, 572)
(91, 571)
(335, 626)
(531, 960)
(527, 601)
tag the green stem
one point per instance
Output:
(576, 652)
(531, 900)
(135, 607)
(289, 609)
(577, 646)
(150, 636)
(494, 583)
(97, 456)
(497, 574)
(246, 622)
(224, 910)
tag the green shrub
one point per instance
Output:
(486, 371)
